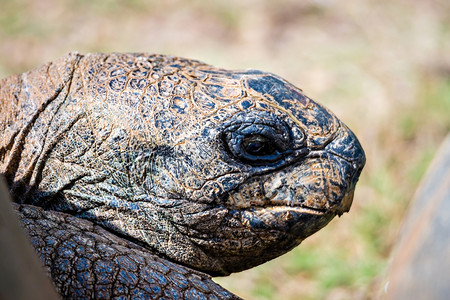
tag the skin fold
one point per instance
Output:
(210, 170)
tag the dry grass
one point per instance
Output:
(382, 66)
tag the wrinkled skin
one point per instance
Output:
(213, 169)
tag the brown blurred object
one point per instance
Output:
(21, 275)
(421, 263)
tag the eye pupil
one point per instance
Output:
(255, 147)
(258, 146)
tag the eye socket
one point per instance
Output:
(258, 145)
(260, 139)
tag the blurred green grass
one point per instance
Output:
(382, 67)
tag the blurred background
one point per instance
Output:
(383, 67)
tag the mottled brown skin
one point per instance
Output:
(214, 170)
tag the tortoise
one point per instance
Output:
(140, 176)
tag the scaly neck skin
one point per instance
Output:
(28, 105)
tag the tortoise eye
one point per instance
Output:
(258, 146)
(260, 139)
(255, 148)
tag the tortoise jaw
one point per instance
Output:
(236, 201)
(301, 209)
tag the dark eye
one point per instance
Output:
(260, 139)
(258, 146)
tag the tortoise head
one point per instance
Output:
(272, 167)
(214, 169)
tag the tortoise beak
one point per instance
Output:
(347, 151)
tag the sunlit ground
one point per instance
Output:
(382, 66)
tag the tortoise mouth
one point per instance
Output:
(301, 209)
(236, 202)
